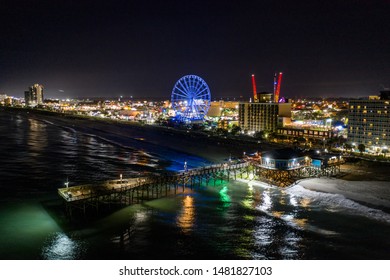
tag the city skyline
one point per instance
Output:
(129, 48)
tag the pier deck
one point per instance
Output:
(134, 190)
(81, 192)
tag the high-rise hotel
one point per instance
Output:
(263, 115)
(34, 95)
(369, 121)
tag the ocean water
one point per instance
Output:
(231, 220)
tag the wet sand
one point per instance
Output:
(360, 170)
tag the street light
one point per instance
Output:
(66, 183)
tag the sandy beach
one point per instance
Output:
(360, 170)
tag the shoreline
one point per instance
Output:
(360, 180)
(212, 148)
(375, 193)
(372, 194)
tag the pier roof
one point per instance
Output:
(285, 153)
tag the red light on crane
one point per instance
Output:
(277, 84)
(254, 88)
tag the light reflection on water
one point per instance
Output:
(186, 218)
(60, 247)
(225, 198)
(37, 137)
(305, 202)
(266, 204)
(127, 237)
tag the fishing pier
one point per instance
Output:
(278, 168)
(136, 190)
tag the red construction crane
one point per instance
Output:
(254, 88)
(277, 85)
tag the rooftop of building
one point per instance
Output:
(293, 153)
(285, 153)
(317, 154)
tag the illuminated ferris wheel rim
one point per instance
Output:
(191, 97)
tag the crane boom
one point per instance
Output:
(277, 91)
(254, 88)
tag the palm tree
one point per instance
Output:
(348, 147)
(235, 129)
(361, 148)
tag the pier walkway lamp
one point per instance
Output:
(67, 183)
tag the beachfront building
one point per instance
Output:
(4, 99)
(218, 107)
(262, 116)
(34, 95)
(369, 122)
(309, 133)
(283, 167)
(284, 159)
(223, 113)
(309, 129)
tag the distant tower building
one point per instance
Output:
(369, 122)
(34, 95)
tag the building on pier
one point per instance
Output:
(284, 159)
(283, 167)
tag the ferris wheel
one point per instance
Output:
(191, 98)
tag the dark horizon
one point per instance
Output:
(141, 48)
(161, 99)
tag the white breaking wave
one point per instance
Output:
(289, 219)
(336, 202)
(45, 121)
(66, 128)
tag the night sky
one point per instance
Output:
(141, 48)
